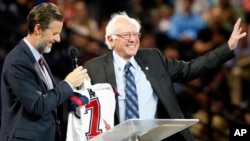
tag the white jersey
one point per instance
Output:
(95, 117)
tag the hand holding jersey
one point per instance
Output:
(87, 120)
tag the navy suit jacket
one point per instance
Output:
(161, 73)
(28, 107)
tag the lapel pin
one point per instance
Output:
(146, 68)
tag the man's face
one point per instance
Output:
(126, 42)
(49, 36)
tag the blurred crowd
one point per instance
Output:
(181, 29)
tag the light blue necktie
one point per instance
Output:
(131, 100)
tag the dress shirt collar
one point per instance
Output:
(121, 62)
(35, 53)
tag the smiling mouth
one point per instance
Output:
(131, 46)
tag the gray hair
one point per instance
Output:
(111, 27)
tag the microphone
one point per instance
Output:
(74, 56)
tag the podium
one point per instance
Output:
(145, 130)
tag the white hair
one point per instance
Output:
(113, 23)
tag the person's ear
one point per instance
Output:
(37, 29)
(111, 40)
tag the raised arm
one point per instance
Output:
(236, 35)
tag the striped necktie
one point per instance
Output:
(131, 100)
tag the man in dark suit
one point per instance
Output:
(153, 73)
(29, 94)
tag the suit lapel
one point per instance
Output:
(109, 70)
(149, 74)
(40, 73)
(26, 49)
(110, 75)
(167, 95)
(49, 72)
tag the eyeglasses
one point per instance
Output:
(128, 35)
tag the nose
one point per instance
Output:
(57, 38)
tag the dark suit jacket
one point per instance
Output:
(161, 72)
(28, 108)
